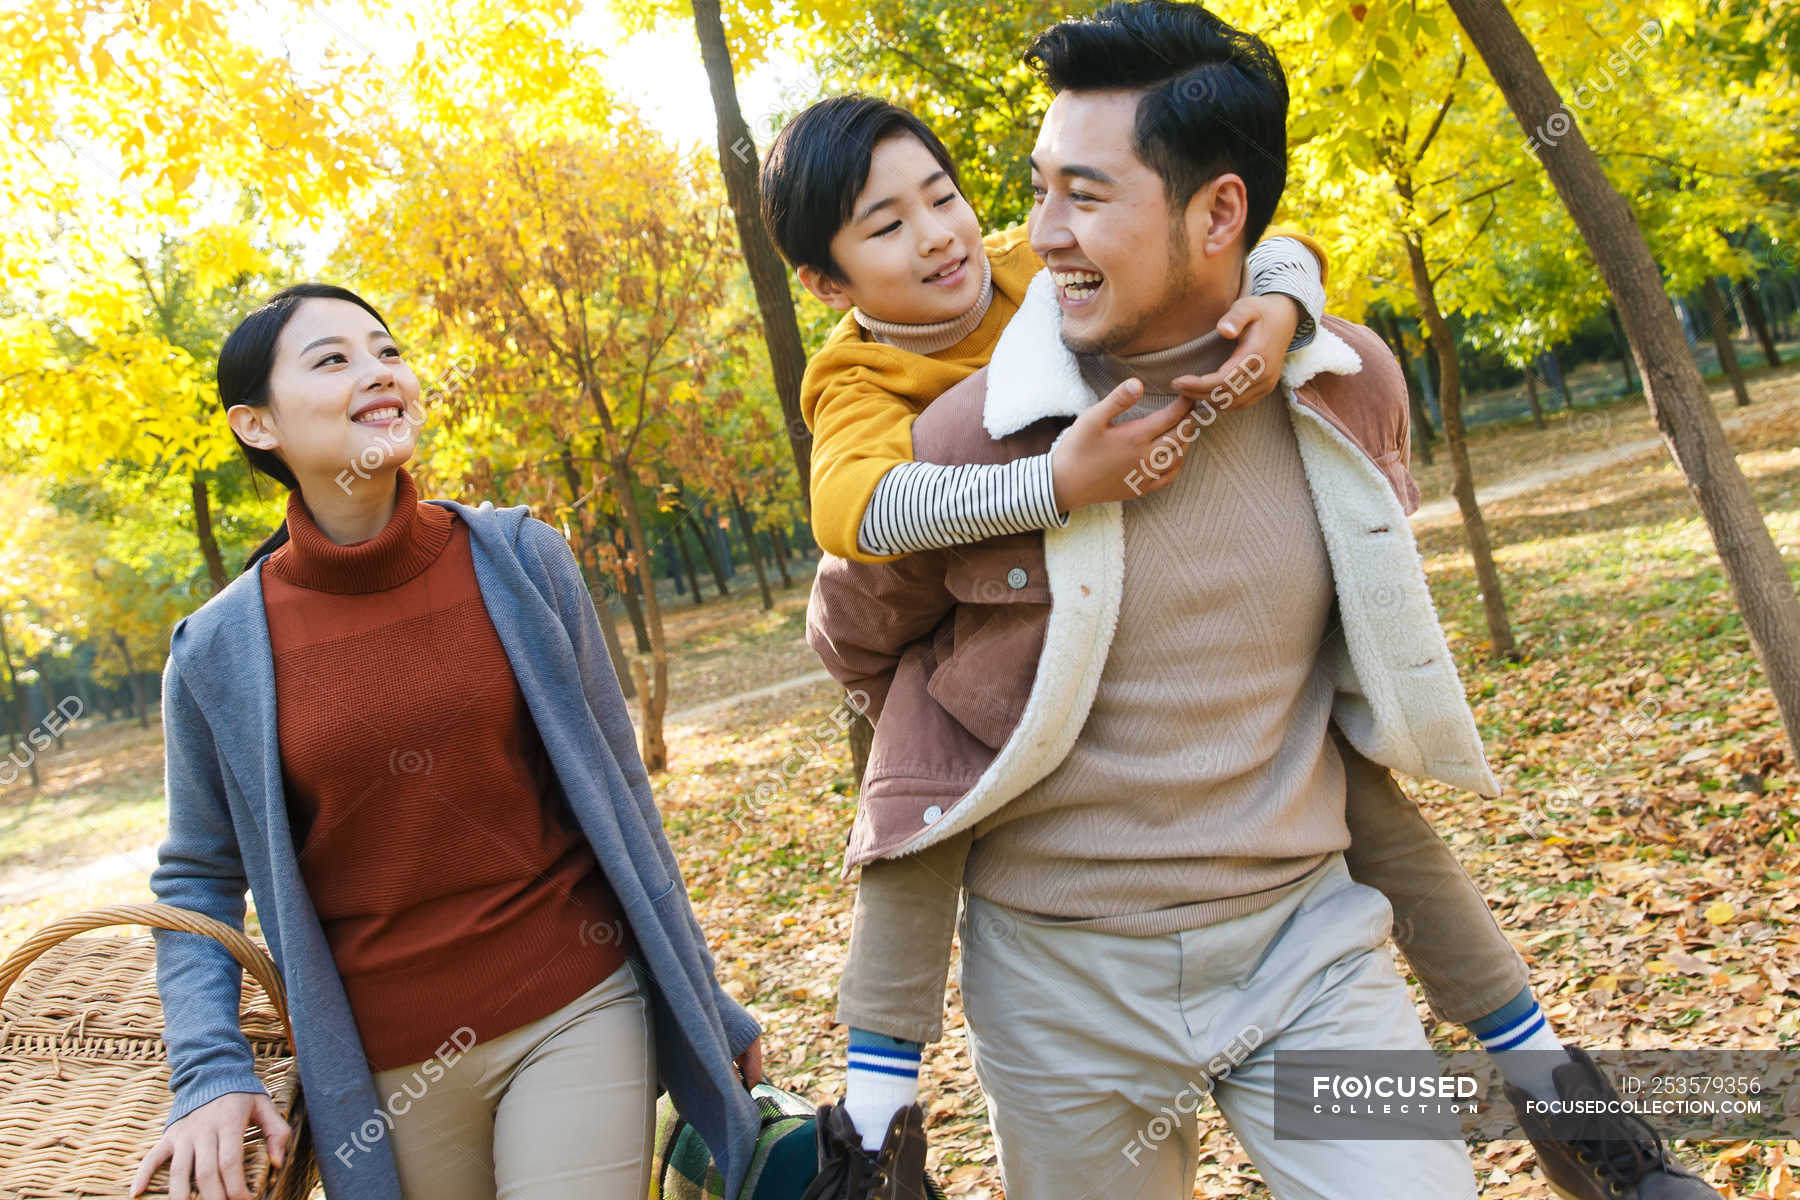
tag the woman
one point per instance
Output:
(400, 729)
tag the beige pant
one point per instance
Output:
(561, 1108)
(1092, 1047)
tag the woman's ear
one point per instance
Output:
(825, 288)
(253, 427)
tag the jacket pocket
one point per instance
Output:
(987, 651)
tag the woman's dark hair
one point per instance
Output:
(245, 361)
(818, 166)
(1215, 98)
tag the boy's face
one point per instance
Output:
(1131, 276)
(910, 252)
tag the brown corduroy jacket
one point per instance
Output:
(981, 661)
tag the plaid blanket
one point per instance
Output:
(786, 1158)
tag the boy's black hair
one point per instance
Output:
(1216, 101)
(819, 164)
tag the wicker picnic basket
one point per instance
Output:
(84, 1073)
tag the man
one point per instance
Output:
(1129, 738)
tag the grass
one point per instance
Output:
(1500, 449)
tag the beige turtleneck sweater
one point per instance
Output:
(1204, 782)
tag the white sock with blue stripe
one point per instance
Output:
(883, 1078)
(1519, 1039)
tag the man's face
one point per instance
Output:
(1131, 276)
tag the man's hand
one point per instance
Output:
(749, 1064)
(1263, 326)
(205, 1149)
(1095, 461)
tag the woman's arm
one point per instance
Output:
(211, 1068)
(200, 869)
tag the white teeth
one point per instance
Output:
(1077, 280)
(951, 269)
(387, 413)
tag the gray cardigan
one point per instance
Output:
(228, 829)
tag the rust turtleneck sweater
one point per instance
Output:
(450, 878)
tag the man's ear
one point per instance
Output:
(825, 288)
(252, 426)
(1217, 213)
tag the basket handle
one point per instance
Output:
(248, 954)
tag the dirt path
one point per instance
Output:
(1573, 467)
(28, 883)
(686, 716)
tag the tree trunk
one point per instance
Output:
(747, 530)
(42, 663)
(1737, 306)
(137, 695)
(1721, 335)
(687, 562)
(609, 625)
(1672, 385)
(1624, 349)
(1434, 384)
(779, 551)
(21, 706)
(768, 274)
(1553, 375)
(706, 529)
(631, 594)
(1759, 321)
(653, 692)
(861, 735)
(1531, 398)
(1423, 432)
(203, 530)
(1462, 485)
(587, 557)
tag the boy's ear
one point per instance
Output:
(825, 288)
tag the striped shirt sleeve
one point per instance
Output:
(927, 506)
(1284, 265)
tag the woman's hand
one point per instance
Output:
(1263, 326)
(749, 1064)
(205, 1149)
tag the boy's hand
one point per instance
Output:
(1095, 461)
(1263, 327)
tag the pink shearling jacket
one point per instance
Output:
(980, 661)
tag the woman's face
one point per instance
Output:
(343, 405)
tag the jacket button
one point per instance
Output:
(932, 814)
(1016, 578)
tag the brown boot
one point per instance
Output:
(849, 1172)
(1612, 1156)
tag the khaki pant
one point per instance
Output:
(560, 1109)
(1442, 923)
(1086, 1042)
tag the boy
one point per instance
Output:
(861, 199)
(929, 299)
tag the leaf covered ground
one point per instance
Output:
(1643, 857)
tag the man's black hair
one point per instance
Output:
(1216, 98)
(818, 166)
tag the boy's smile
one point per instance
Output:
(908, 252)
